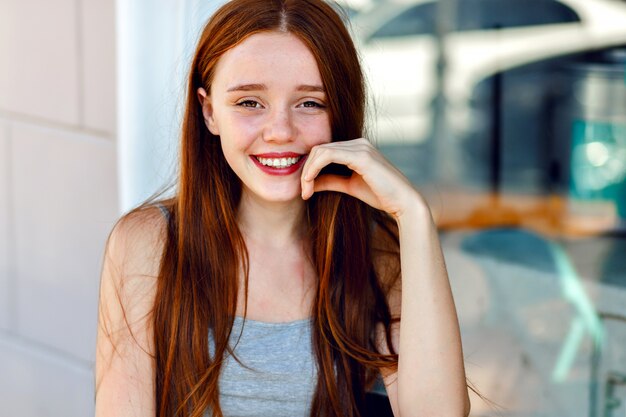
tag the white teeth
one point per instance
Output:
(278, 162)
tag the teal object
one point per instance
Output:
(586, 319)
(598, 163)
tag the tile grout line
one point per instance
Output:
(50, 124)
(36, 348)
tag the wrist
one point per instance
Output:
(415, 213)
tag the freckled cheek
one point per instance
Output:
(315, 132)
(242, 130)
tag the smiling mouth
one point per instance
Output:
(279, 162)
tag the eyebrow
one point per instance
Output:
(257, 87)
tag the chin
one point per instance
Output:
(278, 196)
(287, 198)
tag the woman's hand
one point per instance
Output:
(375, 180)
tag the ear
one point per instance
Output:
(207, 111)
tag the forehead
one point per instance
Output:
(271, 58)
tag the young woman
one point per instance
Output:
(267, 286)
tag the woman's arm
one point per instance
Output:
(124, 351)
(431, 375)
(430, 379)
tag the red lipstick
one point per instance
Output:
(277, 170)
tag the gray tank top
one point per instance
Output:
(279, 373)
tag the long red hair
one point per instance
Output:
(204, 250)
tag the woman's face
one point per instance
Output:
(268, 106)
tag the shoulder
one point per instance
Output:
(130, 268)
(136, 242)
(131, 265)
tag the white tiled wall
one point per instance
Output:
(58, 198)
(63, 212)
(98, 64)
(37, 383)
(40, 61)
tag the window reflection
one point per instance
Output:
(532, 206)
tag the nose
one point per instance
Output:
(279, 127)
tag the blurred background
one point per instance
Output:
(508, 115)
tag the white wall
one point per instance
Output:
(58, 198)
(156, 41)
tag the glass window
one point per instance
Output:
(524, 166)
(477, 15)
(417, 20)
(488, 14)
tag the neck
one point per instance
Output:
(276, 224)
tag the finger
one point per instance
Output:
(360, 145)
(321, 157)
(328, 182)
